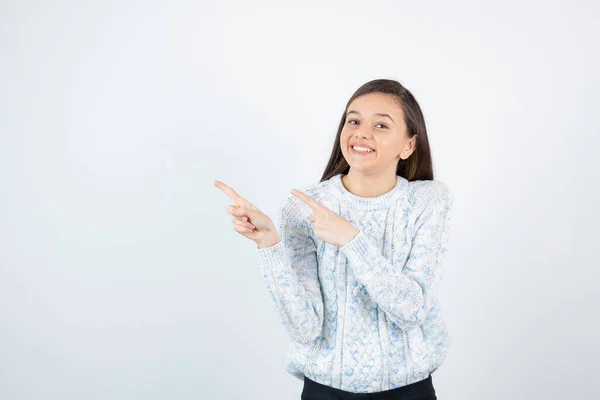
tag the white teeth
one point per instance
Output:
(358, 148)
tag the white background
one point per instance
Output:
(121, 276)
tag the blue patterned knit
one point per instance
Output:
(363, 317)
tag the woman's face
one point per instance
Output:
(375, 120)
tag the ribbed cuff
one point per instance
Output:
(272, 257)
(359, 250)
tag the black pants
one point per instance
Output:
(422, 390)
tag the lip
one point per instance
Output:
(361, 145)
(361, 153)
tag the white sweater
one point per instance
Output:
(363, 317)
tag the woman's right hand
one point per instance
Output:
(248, 220)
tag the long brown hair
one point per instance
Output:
(418, 166)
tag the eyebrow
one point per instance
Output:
(378, 114)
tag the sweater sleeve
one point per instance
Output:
(289, 269)
(407, 294)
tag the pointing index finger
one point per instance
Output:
(306, 199)
(239, 200)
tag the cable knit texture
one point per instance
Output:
(363, 317)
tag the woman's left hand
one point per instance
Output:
(328, 225)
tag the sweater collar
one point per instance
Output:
(367, 203)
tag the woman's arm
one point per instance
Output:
(289, 268)
(406, 296)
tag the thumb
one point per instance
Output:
(249, 206)
(250, 212)
(253, 213)
(259, 219)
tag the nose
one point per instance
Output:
(362, 134)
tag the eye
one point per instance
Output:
(353, 120)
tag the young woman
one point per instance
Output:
(355, 266)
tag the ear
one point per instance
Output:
(410, 147)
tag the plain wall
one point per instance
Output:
(121, 276)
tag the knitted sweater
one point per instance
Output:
(363, 317)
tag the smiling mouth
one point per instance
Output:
(359, 152)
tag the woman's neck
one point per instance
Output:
(367, 198)
(368, 186)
